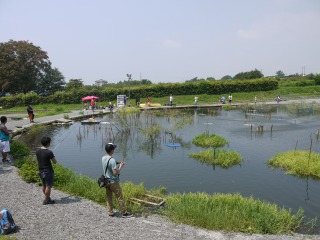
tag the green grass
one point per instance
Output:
(289, 91)
(298, 163)
(209, 140)
(41, 110)
(223, 158)
(231, 212)
(7, 237)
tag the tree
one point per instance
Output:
(51, 82)
(74, 83)
(317, 79)
(226, 77)
(210, 79)
(280, 74)
(22, 65)
(101, 82)
(249, 75)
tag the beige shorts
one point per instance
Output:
(5, 146)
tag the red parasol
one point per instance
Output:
(89, 98)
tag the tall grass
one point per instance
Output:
(301, 163)
(231, 212)
(223, 158)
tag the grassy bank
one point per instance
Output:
(43, 109)
(300, 163)
(229, 212)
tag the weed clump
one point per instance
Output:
(299, 163)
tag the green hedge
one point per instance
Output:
(154, 90)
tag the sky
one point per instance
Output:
(168, 40)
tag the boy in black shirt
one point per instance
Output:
(45, 157)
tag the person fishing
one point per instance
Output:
(111, 170)
(30, 113)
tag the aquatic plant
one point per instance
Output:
(231, 212)
(229, 107)
(223, 158)
(152, 131)
(301, 163)
(209, 140)
(128, 110)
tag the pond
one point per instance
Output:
(151, 161)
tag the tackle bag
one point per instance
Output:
(102, 180)
(7, 224)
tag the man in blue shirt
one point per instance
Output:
(111, 170)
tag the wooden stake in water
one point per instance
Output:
(310, 151)
(295, 148)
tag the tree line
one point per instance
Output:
(25, 68)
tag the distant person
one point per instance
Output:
(255, 99)
(92, 104)
(170, 100)
(125, 100)
(30, 113)
(230, 99)
(138, 101)
(148, 101)
(195, 100)
(278, 99)
(112, 169)
(110, 107)
(4, 139)
(45, 157)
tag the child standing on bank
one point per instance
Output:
(4, 139)
(46, 173)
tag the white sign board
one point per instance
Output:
(121, 100)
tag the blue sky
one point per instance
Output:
(168, 40)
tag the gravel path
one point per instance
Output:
(77, 218)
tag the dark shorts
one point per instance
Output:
(46, 176)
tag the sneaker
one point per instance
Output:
(50, 201)
(111, 214)
(126, 215)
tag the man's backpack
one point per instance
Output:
(7, 224)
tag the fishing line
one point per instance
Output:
(64, 136)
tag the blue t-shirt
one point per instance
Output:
(3, 136)
(112, 165)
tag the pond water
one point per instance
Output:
(150, 161)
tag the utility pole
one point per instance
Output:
(129, 75)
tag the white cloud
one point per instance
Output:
(168, 43)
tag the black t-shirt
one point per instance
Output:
(44, 157)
